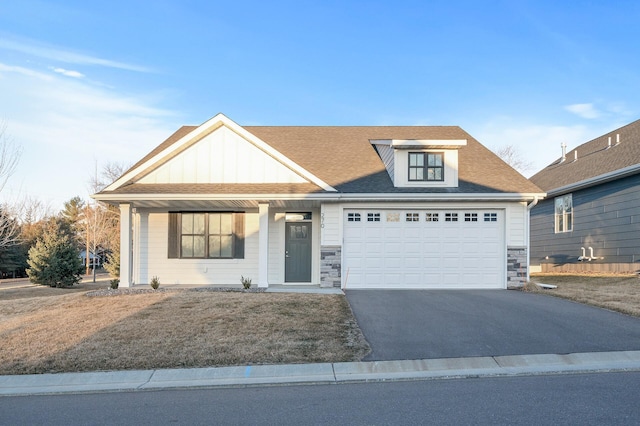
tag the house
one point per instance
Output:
(590, 220)
(348, 207)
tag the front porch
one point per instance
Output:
(279, 245)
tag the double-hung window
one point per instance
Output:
(213, 235)
(564, 213)
(426, 166)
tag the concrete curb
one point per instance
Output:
(343, 372)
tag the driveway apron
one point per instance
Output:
(428, 324)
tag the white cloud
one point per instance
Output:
(68, 73)
(54, 53)
(67, 125)
(587, 111)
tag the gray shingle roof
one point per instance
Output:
(594, 159)
(344, 158)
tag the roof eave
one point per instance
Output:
(332, 197)
(596, 180)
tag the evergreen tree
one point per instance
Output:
(54, 260)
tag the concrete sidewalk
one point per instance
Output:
(326, 373)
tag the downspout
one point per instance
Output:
(528, 233)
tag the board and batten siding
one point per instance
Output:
(605, 217)
(152, 256)
(223, 157)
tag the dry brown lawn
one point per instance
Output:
(44, 330)
(615, 292)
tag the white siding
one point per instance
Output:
(223, 157)
(276, 247)
(330, 217)
(516, 224)
(153, 257)
(387, 156)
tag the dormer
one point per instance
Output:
(420, 163)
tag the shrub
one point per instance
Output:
(112, 265)
(246, 282)
(155, 283)
(115, 283)
(54, 259)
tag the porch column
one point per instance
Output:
(125, 245)
(263, 245)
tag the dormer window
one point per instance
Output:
(426, 166)
(420, 163)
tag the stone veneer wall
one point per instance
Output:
(330, 266)
(516, 267)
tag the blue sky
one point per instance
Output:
(87, 83)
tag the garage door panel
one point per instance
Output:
(451, 247)
(425, 254)
(414, 262)
(431, 262)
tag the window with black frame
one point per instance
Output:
(213, 235)
(426, 166)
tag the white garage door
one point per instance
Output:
(424, 249)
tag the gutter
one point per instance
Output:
(527, 222)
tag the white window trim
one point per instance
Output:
(401, 169)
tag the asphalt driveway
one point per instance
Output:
(424, 324)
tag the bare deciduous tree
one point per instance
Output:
(9, 157)
(102, 221)
(510, 155)
(110, 173)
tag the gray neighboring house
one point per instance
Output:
(348, 207)
(590, 220)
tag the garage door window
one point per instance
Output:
(353, 217)
(373, 217)
(471, 217)
(431, 217)
(451, 217)
(491, 217)
(412, 217)
(393, 217)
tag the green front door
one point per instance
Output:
(297, 262)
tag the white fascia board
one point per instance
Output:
(428, 143)
(209, 127)
(603, 178)
(324, 197)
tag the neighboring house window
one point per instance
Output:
(564, 213)
(426, 166)
(471, 217)
(353, 217)
(200, 235)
